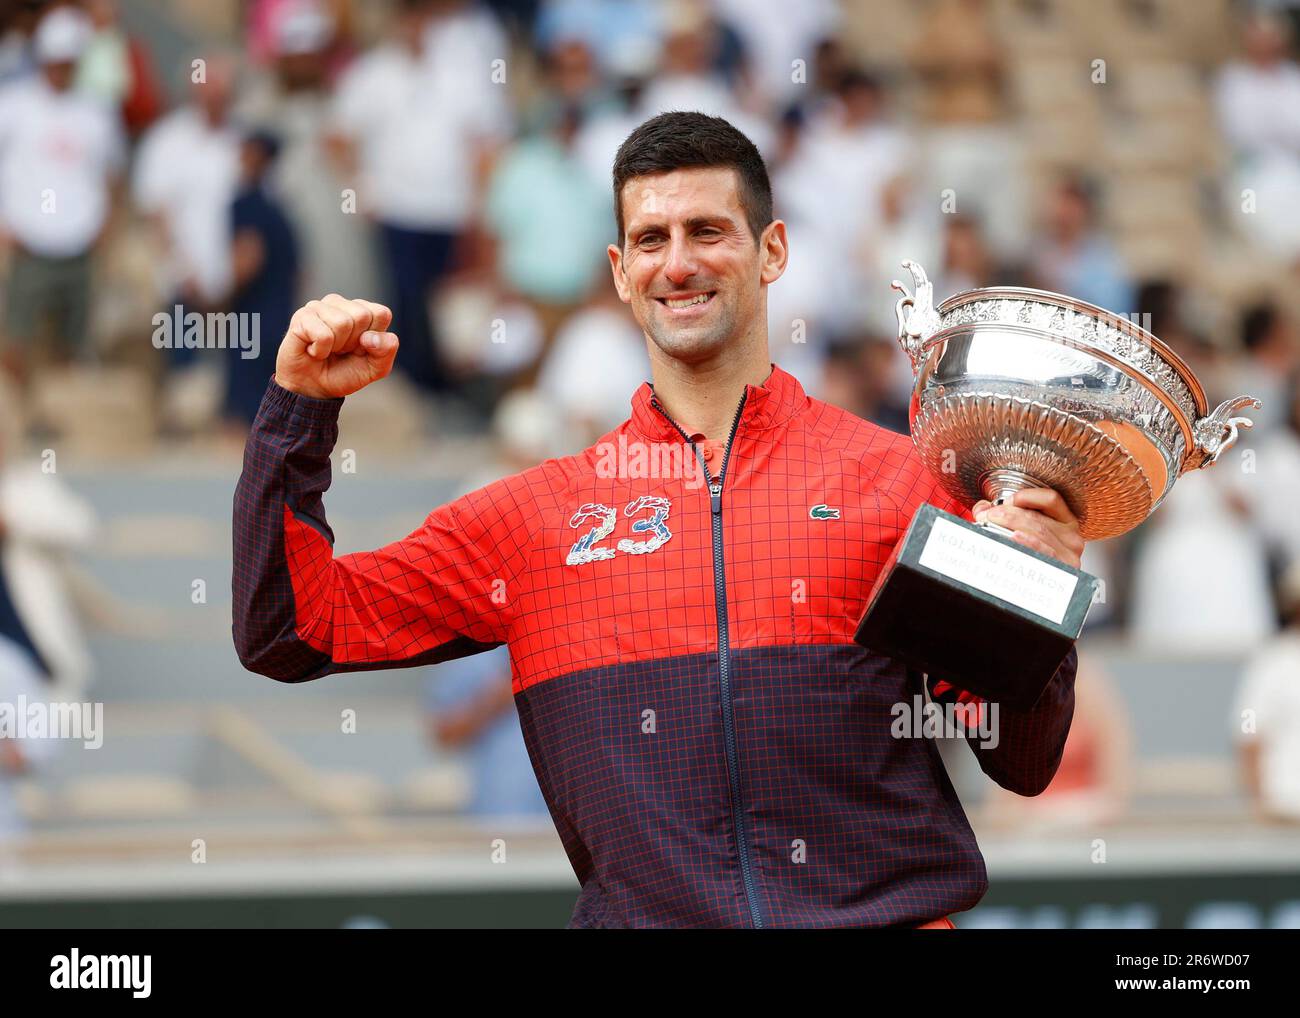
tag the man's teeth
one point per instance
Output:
(697, 299)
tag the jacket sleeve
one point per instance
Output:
(1026, 745)
(1027, 750)
(441, 592)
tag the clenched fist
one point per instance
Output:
(335, 346)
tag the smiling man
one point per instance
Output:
(714, 747)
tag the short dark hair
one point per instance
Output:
(678, 141)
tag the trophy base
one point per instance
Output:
(973, 607)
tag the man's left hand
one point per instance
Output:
(1039, 519)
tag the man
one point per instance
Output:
(185, 177)
(59, 154)
(264, 261)
(419, 135)
(1073, 256)
(714, 748)
(43, 525)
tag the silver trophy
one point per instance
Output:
(1019, 388)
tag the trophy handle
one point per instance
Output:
(917, 318)
(1218, 432)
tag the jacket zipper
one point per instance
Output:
(724, 658)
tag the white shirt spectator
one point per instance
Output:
(415, 129)
(1259, 107)
(187, 171)
(1200, 581)
(462, 47)
(1273, 178)
(832, 188)
(799, 309)
(1272, 490)
(1270, 690)
(598, 140)
(44, 522)
(58, 151)
(837, 178)
(776, 35)
(598, 359)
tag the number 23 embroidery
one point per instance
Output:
(586, 548)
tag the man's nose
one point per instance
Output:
(680, 264)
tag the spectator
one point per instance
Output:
(778, 40)
(624, 34)
(550, 221)
(603, 131)
(264, 22)
(1073, 256)
(851, 152)
(59, 154)
(599, 356)
(420, 149)
(264, 258)
(186, 171)
(465, 46)
(490, 340)
(860, 377)
(687, 77)
(116, 67)
(1270, 487)
(832, 189)
(295, 102)
(472, 712)
(1200, 578)
(17, 26)
(968, 262)
(1094, 781)
(1258, 103)
(1268, 340)
(1258, 98)
(906, 231)
(1267, 719)
(41, 524)
(573, 80)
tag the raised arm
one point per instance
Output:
(299, 612)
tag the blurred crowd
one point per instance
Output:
(452, 159)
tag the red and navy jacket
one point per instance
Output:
(714, 747)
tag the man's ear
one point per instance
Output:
(774, 251)
(616, 267)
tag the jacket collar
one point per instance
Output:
(769, 405)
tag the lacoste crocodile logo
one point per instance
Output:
(821, 511)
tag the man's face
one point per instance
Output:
(60, 74)
(689, 266)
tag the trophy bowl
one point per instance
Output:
(1020, 388)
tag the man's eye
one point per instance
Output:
(649, 239)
